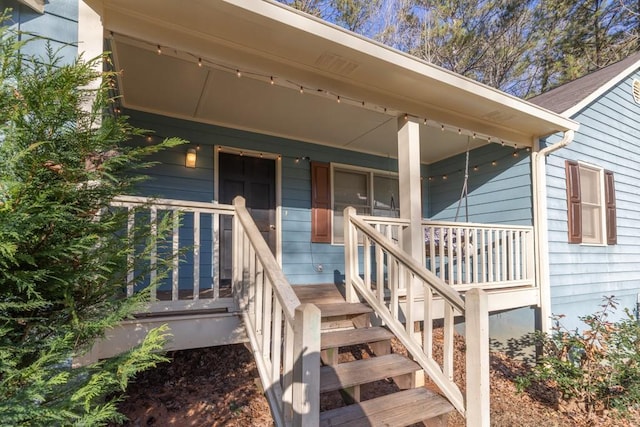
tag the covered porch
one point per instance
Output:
(317, 156)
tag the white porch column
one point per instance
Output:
(410, 186)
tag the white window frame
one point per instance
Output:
(372, 172)
(602, 203)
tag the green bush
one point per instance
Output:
(63, 256)
(593, 370)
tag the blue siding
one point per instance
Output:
(171, 179)
(581, 275)
(497, 194)
(56, 28)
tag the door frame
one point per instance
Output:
(278, 184)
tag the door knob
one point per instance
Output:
(272, 227)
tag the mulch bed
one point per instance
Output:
(219, 386)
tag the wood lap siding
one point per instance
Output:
(574, 202)
(320, 203)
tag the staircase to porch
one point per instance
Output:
(344, 325)
(296, 334)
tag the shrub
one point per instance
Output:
(593, 370)
(63, 256)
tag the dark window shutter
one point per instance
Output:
(610, 198)
(320, 203)
(574, 204)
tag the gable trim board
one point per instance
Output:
(37, 5)
(571, 112)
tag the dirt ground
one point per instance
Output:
(219, 386)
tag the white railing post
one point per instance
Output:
(477, 344)
(306, 378)
(350, 255)
(236, 261)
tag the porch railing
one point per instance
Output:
(195, 236)
(487, 255)
(390, 281)
(284, 334)
(466, 255)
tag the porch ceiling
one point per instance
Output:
(264, 39)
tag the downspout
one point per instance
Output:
(541, 229)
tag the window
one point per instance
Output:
(370, 192)
(591, 204)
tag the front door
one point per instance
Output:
(253, 178)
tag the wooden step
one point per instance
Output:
(397, 409)
(347, 337)
(343, 309)
(364, 371)
(318, 294)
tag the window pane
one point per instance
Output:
(350, 189)
(386, 201)
(589, 186)
(591, 224)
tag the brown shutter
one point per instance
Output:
(320, 203)
(610, 198)
(574, 203)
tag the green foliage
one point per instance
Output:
(63, 256)
(597, 369)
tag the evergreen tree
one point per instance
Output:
(63, 255)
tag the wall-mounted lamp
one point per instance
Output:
(190, 160)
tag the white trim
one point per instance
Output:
(601, 90)
(277, 158)
(37, 5)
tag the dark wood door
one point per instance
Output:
(253, 178)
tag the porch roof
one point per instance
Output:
(266, 41)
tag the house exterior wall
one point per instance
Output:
(580, 275)
(171, 179)
(500, 193)
(57, 27)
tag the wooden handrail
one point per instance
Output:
(284, 334)
(450, 295)
(282, 288)
(398, 273)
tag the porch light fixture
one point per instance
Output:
(190, 160)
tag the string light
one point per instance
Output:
(339, 98)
